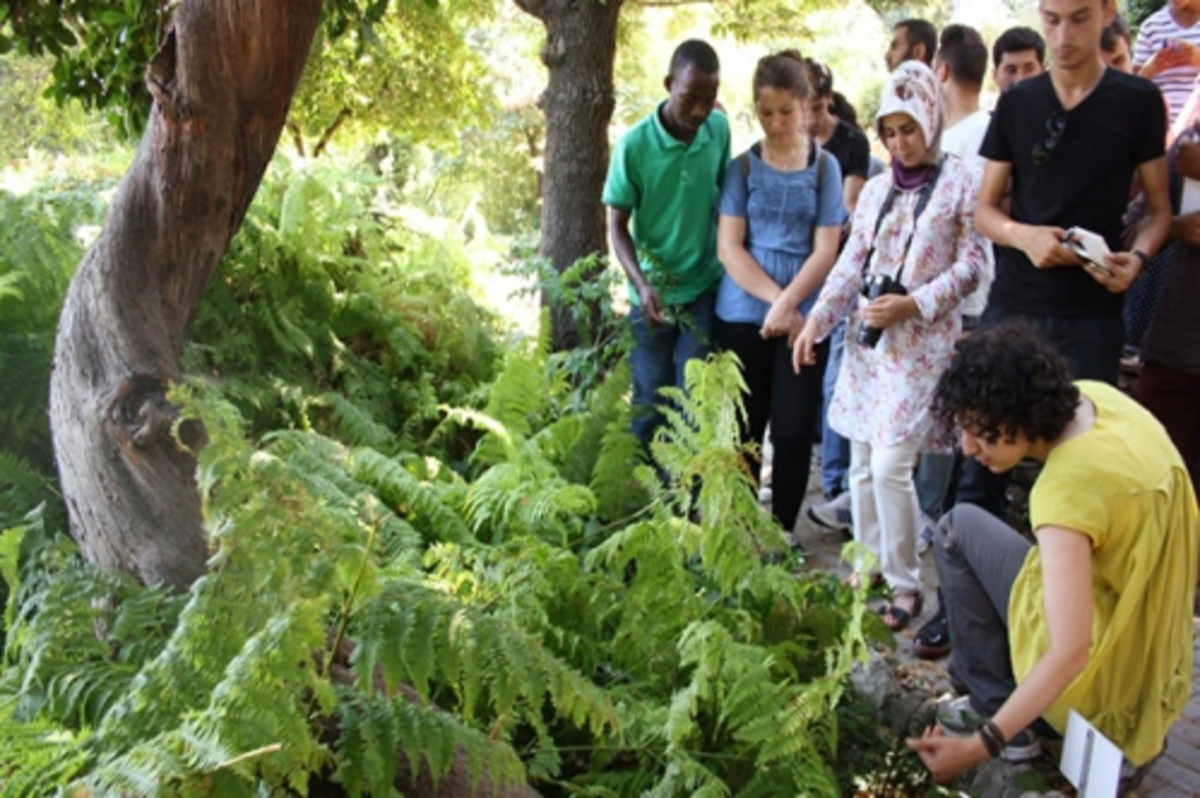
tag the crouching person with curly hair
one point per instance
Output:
(1096, 616)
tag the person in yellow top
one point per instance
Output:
(1116, 521)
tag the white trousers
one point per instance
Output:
(883, 500)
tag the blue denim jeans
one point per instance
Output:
(835, 450)
(660, 353)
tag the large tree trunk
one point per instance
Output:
(221, 84)
(581, 45)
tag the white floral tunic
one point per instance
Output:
(883, 395)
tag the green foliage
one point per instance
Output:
(41, 234)
(34, 121)
(503, 161)
(41, 241)
(40, 244)
(1136, 11)
(727, 686)
(408, 72)
(584, 293)
(38, 758)
(224, 688)
(504, 620)
(327, 315)
(100, 50)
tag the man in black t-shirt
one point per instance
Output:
(849, 146)
(845, 143)
(1072, 141)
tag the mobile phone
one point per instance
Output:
(1089, 246)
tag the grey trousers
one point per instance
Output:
(978, 559)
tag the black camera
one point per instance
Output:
(873, 287)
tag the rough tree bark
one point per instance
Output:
(581, 46)
(221, 86)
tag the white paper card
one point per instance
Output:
(1090, 761)
(1189, 200)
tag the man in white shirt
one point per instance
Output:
(960, 64)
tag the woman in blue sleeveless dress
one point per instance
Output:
(781, 216)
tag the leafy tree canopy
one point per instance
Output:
(385, 57)
(409, 73)
(100, 49)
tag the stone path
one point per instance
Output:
(1177, 772)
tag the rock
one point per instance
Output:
(996, 779)
(876, 681)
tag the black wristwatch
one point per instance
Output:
(1142, 256)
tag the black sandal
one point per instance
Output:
(898, 618)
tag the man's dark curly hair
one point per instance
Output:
(1005, 381)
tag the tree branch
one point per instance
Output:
(342, 116)
(297, 137)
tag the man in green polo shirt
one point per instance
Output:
(663, 183)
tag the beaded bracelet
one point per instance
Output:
(993, 738)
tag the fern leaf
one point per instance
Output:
(409, 497)
(22, 488)
(357, 426)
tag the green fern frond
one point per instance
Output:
(297, 222)
(430, 635)
(67, 672)
(614, 481)
(501, 443)
(521, 394)
(8, 289)
(405, 494)
(39, 758)
(685, 775)
(357, 427)
(22, 488)
(526, 496)
(608, 405)
(700, 448)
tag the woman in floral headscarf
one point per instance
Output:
(913, 255)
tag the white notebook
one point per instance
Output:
(1190, 199)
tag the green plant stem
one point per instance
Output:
(348, 600)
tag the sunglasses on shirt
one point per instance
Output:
(1055, 126)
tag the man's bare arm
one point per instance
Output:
(1041, 243)
(626, 251)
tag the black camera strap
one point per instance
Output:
(926, 191)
